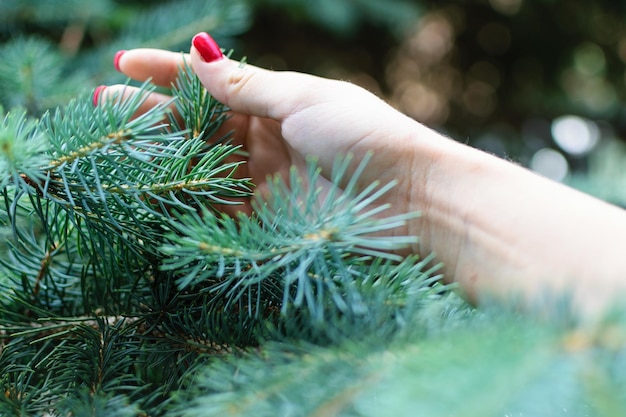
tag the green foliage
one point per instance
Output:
(23, 146)
(43, 68)
(124, 291)
(495, 365)
(304, 242)
(126, 270)
(32, 75)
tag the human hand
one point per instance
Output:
(281, 118)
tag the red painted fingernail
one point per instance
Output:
(116, 60)
(207, 47)
(96, 94)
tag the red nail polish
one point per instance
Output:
(207, 47)
(96, 94)
(116, 60)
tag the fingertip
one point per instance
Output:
(116, 59)
(142, 64)
(206, 46)
(97, 93)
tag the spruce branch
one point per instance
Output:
(196, 107)
(100, 354)
(42, 257)
(32, 76)
(99, 183)
(299, 247)
(486, 364)
(23, 147)
(139, 159)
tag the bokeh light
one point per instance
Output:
(550, 163)
(575, 135)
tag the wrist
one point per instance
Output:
(435, 162)
(459, 191)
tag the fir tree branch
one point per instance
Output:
(22, 149)
(305, 258)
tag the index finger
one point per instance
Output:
(160, 66)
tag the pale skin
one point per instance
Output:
(499, 230)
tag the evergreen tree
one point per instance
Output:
(126, 292)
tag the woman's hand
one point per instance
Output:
(281, 118)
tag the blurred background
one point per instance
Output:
(541, 82)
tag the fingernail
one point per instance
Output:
(209, 50)
(116, 60)
(96, 94)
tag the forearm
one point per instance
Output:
(503, 231)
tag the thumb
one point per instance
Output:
(251, 90)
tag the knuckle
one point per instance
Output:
(238, 82)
